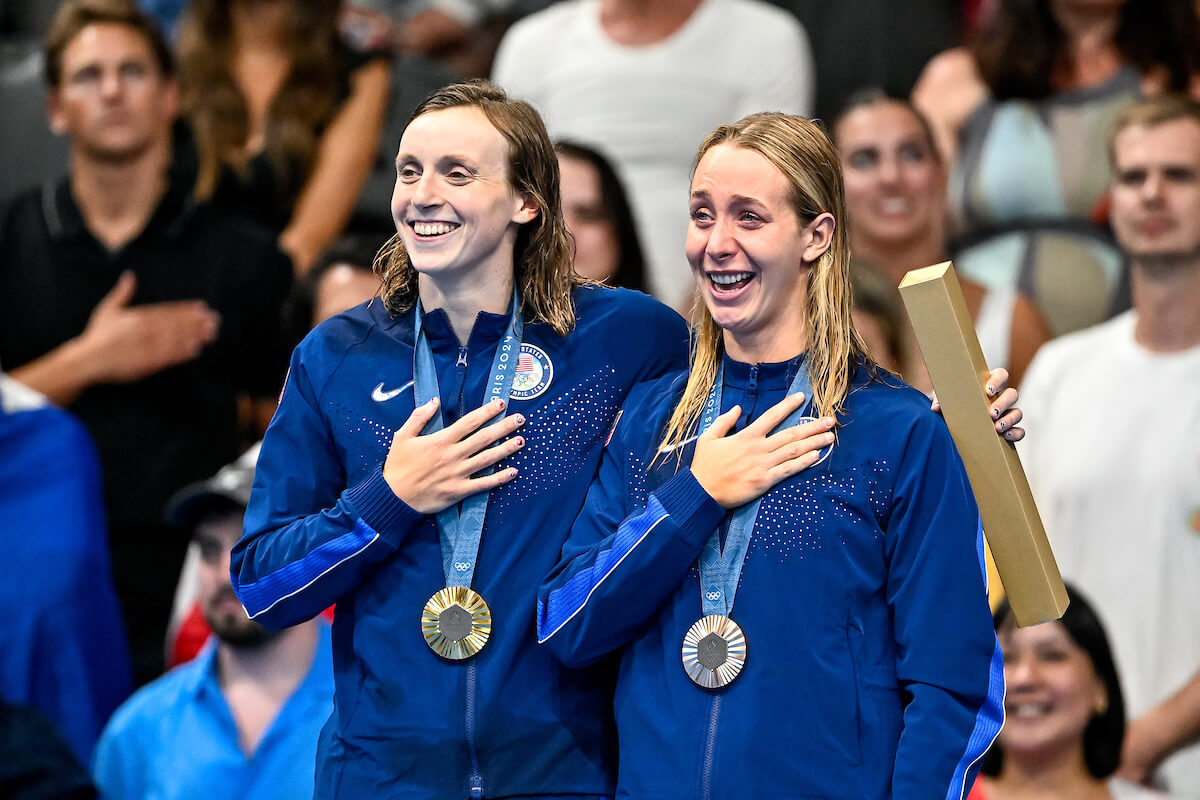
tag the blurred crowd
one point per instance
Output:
(189, 186)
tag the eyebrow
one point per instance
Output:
(456, 157)
(1168, 166)
(738, 199)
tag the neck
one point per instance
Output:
(118, 199)
(1092, 55)
(638, 22)
(766, 347)
(1062, 776)
(893, 259)
(1167, 300)
(258, 24)
(1085, 25)
(276, 667)
(463, 297)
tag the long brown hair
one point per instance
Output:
(801, 151)
(217, 109)
(542, 254)
(1022, 47)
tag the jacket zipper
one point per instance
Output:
(460, 367)
(476, 777)
(477, 780)
(709, 746)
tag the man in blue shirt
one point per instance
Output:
(242, 719)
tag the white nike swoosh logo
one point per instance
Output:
(380, 396)
(668, 448)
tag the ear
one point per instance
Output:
(818, 236)
(527, 211)
(58, 120)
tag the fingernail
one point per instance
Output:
(995, 413)
(991, 390)
(1000, 426)
(433, 401)
(520, 441)
(500, 403)
(520, 418)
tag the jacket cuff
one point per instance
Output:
(378, 507)
(692, 509)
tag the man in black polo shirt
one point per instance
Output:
(122, 300)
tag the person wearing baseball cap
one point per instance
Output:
(242, 718)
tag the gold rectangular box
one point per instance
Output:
(1011, 522)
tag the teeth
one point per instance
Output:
(894, 205)
(726, 280)
(432, 228)
(1027, 710)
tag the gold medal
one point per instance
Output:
(456, 623)
(714, 651)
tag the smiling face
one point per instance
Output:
(1156, 192)
(454, 206)
(895, 185)
(750, 253)
(112, 97)
(1052, 693)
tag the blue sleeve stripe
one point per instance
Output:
(566, 601)
(990, 718)
(981, 552)
(272, 589)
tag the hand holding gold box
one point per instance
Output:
(1011, 522)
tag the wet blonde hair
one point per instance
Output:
(542, 254)
(803, 154)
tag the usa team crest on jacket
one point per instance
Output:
(534, 373)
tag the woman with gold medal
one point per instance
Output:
(430, 451)
(787, 472)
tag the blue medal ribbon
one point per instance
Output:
(720, 568)
(460, 527)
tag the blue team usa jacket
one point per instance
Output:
(872, 667)
(323, 527)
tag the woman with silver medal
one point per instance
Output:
(786, 471)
